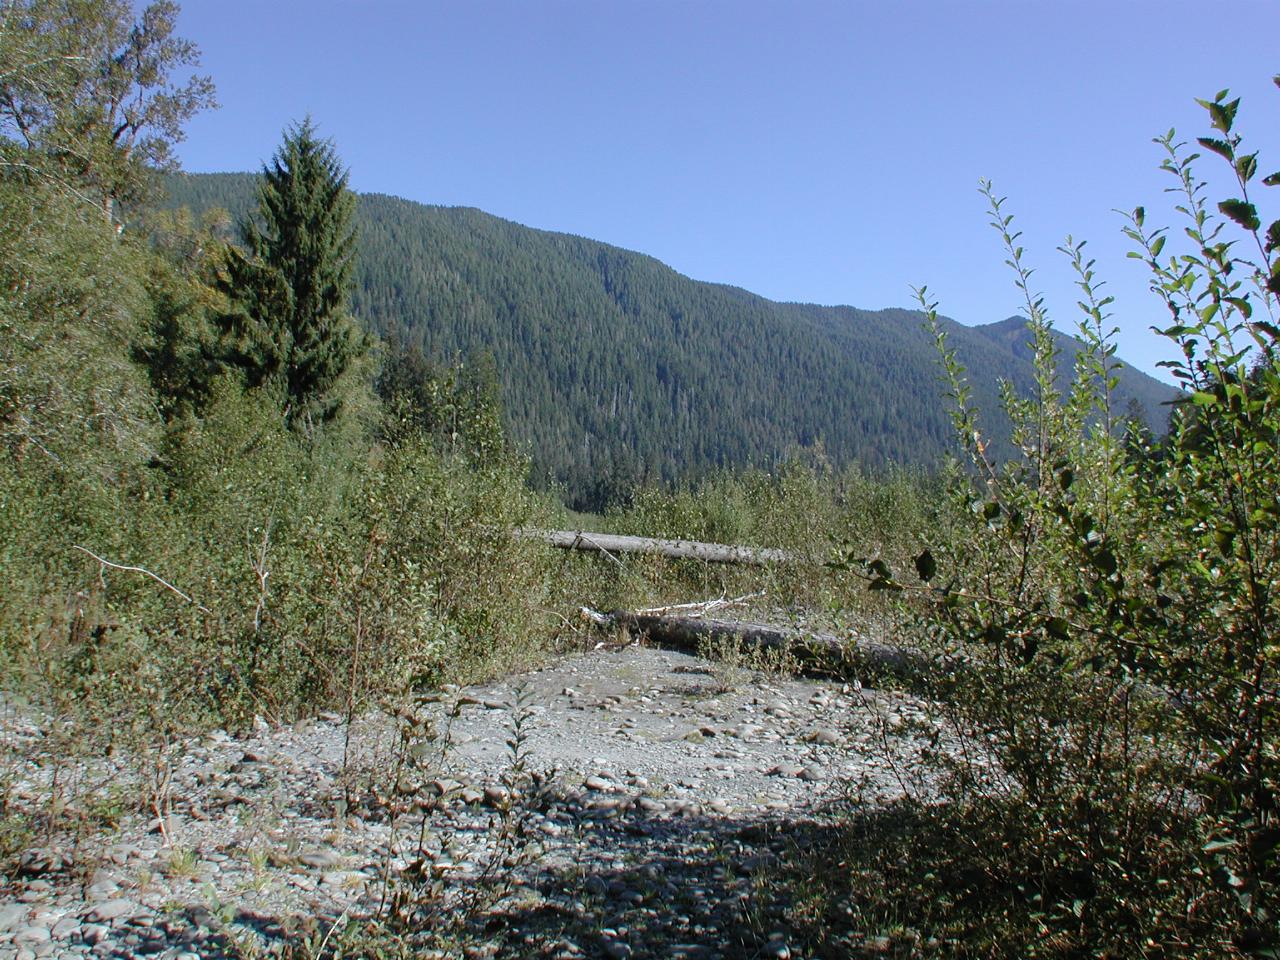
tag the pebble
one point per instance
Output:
(822, 735)
(102, 890)
(11, 914)
(784, 770)
(109, 910)
(320, 859)
(64, 928)
(496, 794)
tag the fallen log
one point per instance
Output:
(611, 543)
(813, 651)
(851, 658)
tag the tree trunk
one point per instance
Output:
(813, 651)
(611, 543)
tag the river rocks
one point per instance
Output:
(110, 910)
(64, 928)
(31, 934)
(647, 799)
(825, 736)
(11, 915)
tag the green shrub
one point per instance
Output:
(1107, 624)
(803, 507)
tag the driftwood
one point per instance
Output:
(612, 543)
(814, 651)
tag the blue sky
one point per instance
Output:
(814, 151)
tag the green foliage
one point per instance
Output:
(262, 573)
(179, 348)
(1109, 625)
(88, 95)
(459, 407)
(289, 325)
(804, 507)
(76, 416)
(66, 391)
(317, 579)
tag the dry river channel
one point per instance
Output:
(618, 803)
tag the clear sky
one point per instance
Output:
(814, 151)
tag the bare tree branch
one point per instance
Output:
(144, 571)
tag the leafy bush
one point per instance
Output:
(1107, 624)
(221, 558)
(803, 507)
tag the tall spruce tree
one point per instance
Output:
(289, 326)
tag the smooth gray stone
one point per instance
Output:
(65, 928)
(109, 910)
(320, 859)
(11, 914)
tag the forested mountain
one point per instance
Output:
(614, 368)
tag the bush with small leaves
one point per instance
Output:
(1108, 618)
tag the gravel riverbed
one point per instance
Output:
(618, 803)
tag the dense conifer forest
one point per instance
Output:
(616, 371)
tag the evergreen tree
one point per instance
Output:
(289, 326)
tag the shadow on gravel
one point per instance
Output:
(687, 887)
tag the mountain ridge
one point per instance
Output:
(615, 368)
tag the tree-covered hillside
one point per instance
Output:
(615, 369)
